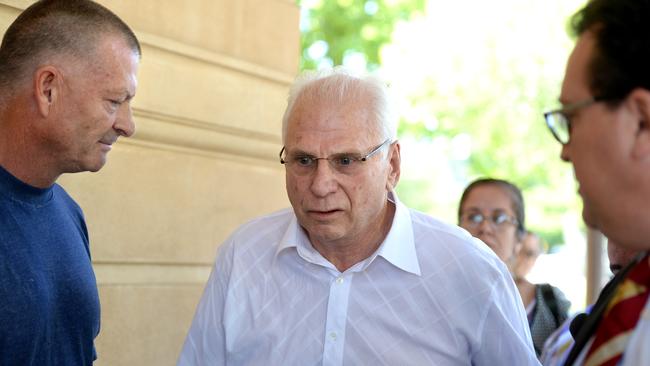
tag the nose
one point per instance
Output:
(564, 153)
(323, 179)
(485, 226)
(124, 124)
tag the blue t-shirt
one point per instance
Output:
(49, 305)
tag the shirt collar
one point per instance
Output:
(16, 189)
(296, 237)
(398, 248)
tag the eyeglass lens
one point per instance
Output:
(475, 219)
(559, 126)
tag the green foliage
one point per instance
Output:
(350, 26)
(489, 82)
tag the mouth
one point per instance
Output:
(107, 143)
(323, 214)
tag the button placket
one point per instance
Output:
(337, 308)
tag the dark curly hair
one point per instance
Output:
(621, 59)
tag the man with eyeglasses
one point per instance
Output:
(604, 129)
(349, 275)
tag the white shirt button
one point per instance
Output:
(339, 280)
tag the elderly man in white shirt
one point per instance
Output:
(349, 275)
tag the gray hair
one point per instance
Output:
(339, 84)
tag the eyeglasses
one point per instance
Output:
(344, 163)
(498, 220)
(559, 120)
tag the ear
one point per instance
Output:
(394, 166)
(640, 99)
(47, 84)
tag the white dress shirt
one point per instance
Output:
(430, 295)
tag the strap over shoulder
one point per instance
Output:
(551, 301)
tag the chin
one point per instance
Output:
(93, 166)
(323, 233)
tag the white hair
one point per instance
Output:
(339, 85)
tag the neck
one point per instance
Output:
(343, 254)
(519, 279)
(20, 153)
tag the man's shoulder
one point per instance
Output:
(425, 221)
(265, 228)
(271, 220)
(61, 194)
(443, 244)
(61, 197)
(429, 229)
(254, 238)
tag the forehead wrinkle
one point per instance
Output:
(324, 127)
(315, 99)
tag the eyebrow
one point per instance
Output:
(299, 152)
(305, 153)
(492, 210)
(128, 96)
(122, 93)
(472, 209)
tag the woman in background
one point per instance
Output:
(493, 211)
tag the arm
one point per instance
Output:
(505, 335)
(205, 343)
